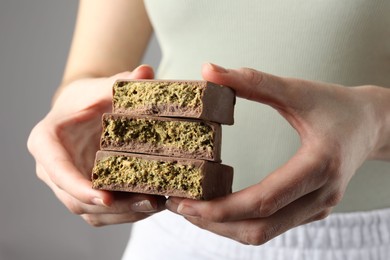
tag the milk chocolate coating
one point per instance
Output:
(215, 178)
(172, 142)
(216, 102)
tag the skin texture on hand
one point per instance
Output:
(64, 145)
(339, 129)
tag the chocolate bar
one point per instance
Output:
(168, 176)
(180, 98)
(162, 136)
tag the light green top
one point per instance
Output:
(345, 42)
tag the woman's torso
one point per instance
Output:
(344, 42)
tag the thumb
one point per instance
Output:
(141, 72)
(254, 85)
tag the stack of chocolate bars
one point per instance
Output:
(164, 138)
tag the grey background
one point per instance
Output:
(34, 40)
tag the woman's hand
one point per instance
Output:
(339, 129)
(64, 144)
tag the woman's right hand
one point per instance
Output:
(64, 145)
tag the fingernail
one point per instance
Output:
(187, 210)
(98, 202)
(171, 205)
(217, 68)
(143, 206)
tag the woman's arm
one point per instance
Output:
(109, 37)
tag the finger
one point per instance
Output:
(72, 204)
(137, 202)
(257, 86)
(301, 175)
(142, 72)
(128, 203)
(134, 203)
(98, 220)
(98, 91)
(123, 202)
(59, 167)
(318, 216)
(261, 230)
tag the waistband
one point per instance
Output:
(357, 236)
(340, 231)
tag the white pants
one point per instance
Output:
(348, 236)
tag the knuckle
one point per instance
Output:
(252, 76)
(255, 79)
(31, 141)
(40, 173)
(259, 236)
(92, 220)
(55, 178)
(268, 205)
(323, 214)
(75, 208)
(333, 199)
(214, 215)
(266, 209)
(35, 139)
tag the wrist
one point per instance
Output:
(378, 105)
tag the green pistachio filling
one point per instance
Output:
(186, 135)
(123, 170)
(133, 95)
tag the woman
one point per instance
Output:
(302, 145)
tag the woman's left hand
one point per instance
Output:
(339, 128)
